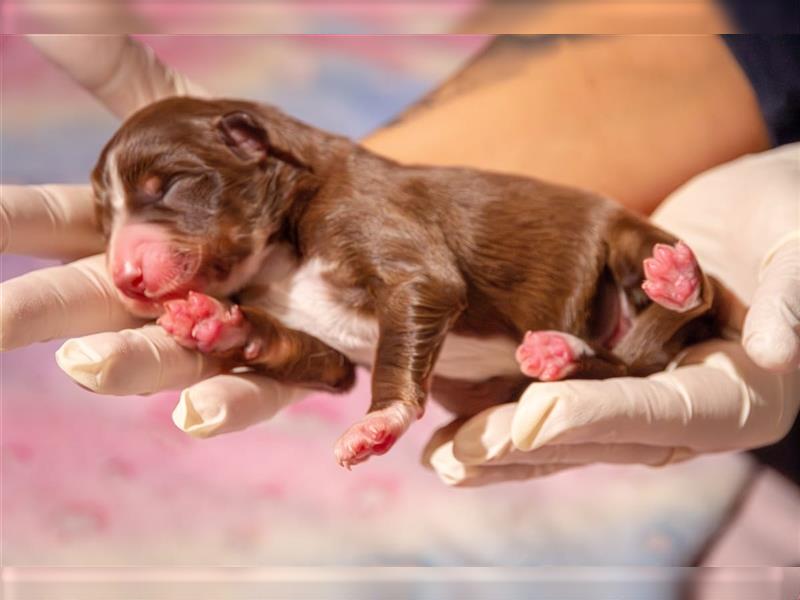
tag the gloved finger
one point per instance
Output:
(82, 17)
(57, 302)
(231, 402)
(122, 73)
(725, 403)
(772, 327)
(440, 437)
(443, 456)
(439, 456)
(593, 453)
(485, 439)
(133, 361)
(50, 221)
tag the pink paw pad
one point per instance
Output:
(549, 355)
(374, 435)
(672, 277)
(204, 323)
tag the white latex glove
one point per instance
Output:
(743, 222)
(79, 299)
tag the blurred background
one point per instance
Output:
(363, 16)
(110, 482)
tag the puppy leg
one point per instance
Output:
(414, 318)
(663, 281)
(555, 355)
(245, 336)
(294, 356)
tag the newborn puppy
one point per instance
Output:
(299, 253)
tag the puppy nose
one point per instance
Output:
(129, 280)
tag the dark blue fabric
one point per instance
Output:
(772, 64)
(764, 16)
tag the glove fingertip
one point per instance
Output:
(450, 471)
(778, 352)
(83, 365)
(197, 418)
(535, 407)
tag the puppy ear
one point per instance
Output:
(244, 136)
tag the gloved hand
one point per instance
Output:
(79, 299)
(743, 222)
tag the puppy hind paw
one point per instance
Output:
(550, 355)
(672, 277)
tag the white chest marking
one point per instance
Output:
(302, 299)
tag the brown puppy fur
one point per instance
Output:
(423, 252)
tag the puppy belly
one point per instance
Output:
(302, 299)
(461, 357)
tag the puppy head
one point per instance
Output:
(189, 194)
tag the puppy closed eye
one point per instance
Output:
(153, 188)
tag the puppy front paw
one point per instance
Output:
(206, 324)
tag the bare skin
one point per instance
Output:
(629, 117)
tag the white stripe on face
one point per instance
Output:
(117, 191)
(116, 195)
